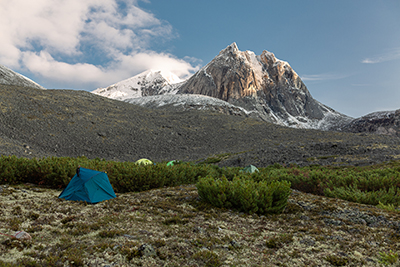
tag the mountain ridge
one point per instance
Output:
(10, 77)
(380, 122)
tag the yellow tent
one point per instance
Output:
(144, 161)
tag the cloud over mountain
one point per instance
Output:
(63, 40)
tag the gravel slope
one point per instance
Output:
(38, 123)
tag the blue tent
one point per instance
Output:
(88, 185)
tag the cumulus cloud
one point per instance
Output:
(388, 56)
(84, 42)
(122, 67)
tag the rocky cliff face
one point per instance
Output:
(10, 77)
(383, 122)
(263, 84)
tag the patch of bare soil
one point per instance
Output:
(172, 227)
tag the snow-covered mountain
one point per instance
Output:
(263, 86)
(10, 77)
(151, 82)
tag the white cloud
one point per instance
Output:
(324, 76)
(80, 73)
(388, 56)
(64, 40)
(146, 60)
(123, 66)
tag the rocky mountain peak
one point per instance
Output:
(168, 76)
(262, 83)
(232, 48)
(234, 74)
(280, 72)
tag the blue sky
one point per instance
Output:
(346, 51)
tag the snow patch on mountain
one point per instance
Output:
(189, 102)
(179, 100)
(184, 102)
(10, 77)
(151, 82)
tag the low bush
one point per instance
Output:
(388, 258)
(367, 185)
(124, 176)
(245, 194)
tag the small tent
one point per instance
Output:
(144, 161)
(88, 185)
(249, 169)
(171, 163)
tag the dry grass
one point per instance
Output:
(183, 231)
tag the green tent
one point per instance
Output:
(144, 161)
(172, 163)
(88, 185)
(249, 169)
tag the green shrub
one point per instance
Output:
(214, 191)
(368, 185)
(388, 207)
(124, 176)
(352, 193)
(388, 258)
(245, 194)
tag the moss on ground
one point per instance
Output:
(185, 231)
